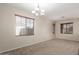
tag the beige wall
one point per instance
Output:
(74, 36)
(8, 39)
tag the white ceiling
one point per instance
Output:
(54, 11)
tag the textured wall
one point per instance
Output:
(74, 36)
(8, 39)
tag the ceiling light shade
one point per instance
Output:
(42, 10)
(42, 13)
(38, 11)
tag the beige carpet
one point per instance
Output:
(51, 47)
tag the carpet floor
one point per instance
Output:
(51, 47)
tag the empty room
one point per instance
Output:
(39, 28)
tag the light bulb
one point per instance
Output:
(33, 12)
(36, 14)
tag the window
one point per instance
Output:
(67, 28)
(53, 28)
(24, 25)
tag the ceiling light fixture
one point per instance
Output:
(38, 11)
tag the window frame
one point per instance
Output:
(28, 28)
(62, 28)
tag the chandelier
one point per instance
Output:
(38, 11)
